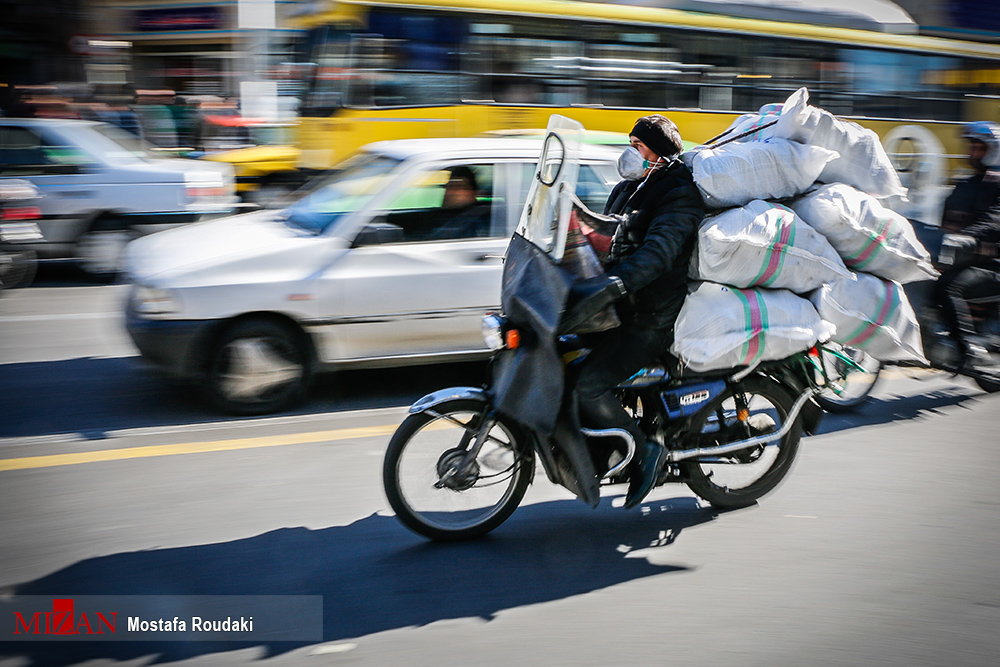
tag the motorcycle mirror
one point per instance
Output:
(553, 156)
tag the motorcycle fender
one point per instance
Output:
(450, 394)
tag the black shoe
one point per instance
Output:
(644, 478)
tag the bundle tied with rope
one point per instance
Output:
(780, 221)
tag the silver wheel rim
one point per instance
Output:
(254, 369)
(100, 253)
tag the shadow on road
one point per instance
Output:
(885, 410)
(92, 396)
(375, 576)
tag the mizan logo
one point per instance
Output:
(62, 621)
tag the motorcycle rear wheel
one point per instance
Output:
(739, 479)
(465, 506)
(853, 384)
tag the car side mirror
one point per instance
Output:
(378, 233)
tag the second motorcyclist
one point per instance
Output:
(660, 209)
(973, 211)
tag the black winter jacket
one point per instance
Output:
(662, 217)
(974, 200)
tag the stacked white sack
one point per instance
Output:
(764, 244)
(873, 315)
(748, 122)
(862, 161)
(723, 327)
(868, 236)
(735, 174)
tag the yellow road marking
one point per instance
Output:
(52, 460)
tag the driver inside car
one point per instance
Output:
(461, 215)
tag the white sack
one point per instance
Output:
(737, 173)
(873, 315)
(868, 236)
(861, 161)
(764, 245)
(753, 121)
(723, 327)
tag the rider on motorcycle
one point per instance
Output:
(660, 209)
(973, 211)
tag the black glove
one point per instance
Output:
(624, 242)
(589, 297)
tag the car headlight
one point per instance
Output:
(154, 301)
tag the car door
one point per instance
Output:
(408, 292)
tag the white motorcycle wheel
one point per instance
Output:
(433, 502)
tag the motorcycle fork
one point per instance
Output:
(480, 435)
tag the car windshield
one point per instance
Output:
(350, 188)
(113, 144)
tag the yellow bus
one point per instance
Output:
(386, 69)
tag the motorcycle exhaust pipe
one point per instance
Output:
(614, 433)
(793, 414)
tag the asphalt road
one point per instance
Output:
(879, 549)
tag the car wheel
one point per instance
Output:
(257, 367)
(99, 252)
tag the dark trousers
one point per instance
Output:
(953, 291)
(615, 356)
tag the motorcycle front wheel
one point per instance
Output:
(432, 494)
(755, 407)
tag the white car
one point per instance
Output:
(362, 272)
(102, 187)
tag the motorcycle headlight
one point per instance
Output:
(498, 334)
(154, 301)
(492, 326)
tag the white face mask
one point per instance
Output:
(631, 165)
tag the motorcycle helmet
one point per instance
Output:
(989, 134)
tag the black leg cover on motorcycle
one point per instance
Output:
(528, 383)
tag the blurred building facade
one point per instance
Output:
(197, 47)
(116, 46)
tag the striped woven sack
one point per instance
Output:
(868, 236)
(724, 327)
(871, 314)
(764, 244)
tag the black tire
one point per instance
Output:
(739, 479)
(421, 449)
(17, 268)
(851, 386)
(987, 385)
(257, 367)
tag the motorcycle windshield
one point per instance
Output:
(546, 213)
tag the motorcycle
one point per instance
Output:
(18, 211)
(940, 348)
(859, 374)
(460, 463)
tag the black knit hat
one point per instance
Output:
(659, 133)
